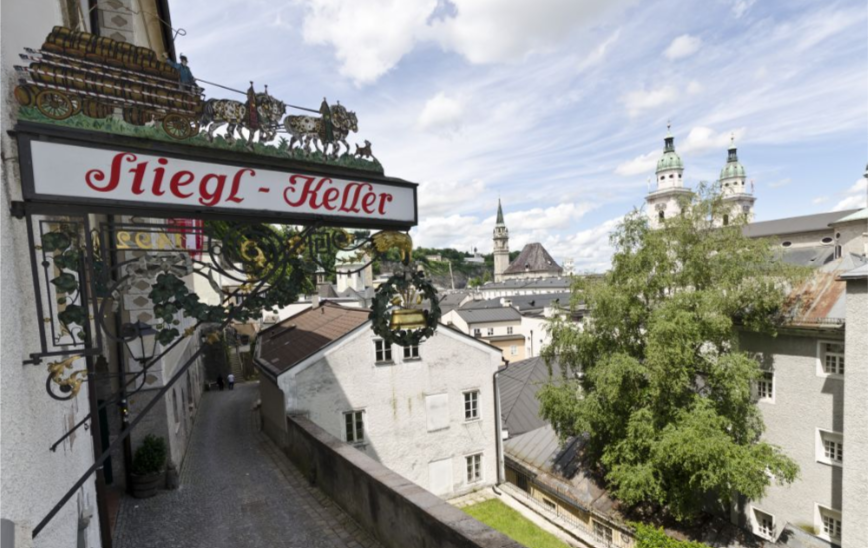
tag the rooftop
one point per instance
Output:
(533, 258)
(559, 282)
(792, 225)
(821, 299)
(288, 343)
(518, 384)
(524, 303)
(484, 315)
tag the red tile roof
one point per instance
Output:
(291, 341)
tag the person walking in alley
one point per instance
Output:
(231, 379)
(220, 382)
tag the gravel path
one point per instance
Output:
(237, 490)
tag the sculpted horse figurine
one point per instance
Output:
(310, 129)
(220, 112)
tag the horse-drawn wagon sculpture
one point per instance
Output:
(79, 72)
(94, 82)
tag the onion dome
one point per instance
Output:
(733, 167)
(670, 158)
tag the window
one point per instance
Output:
(474, 467)
(725, 220)
(786, 244)
(471, 405)
(509, 330)
(477, 332)
(765, 387)
(827, 240)
(354, 426)
(551, 506)
(411, 352)
(829, 523)
(513, 350)
(383, 351)
(764, 524)
(830, 447)
(522, 481)
(490, 331)
(831, 359)
(660, 216)
(602, 533)
(175, 406)
(838, 252)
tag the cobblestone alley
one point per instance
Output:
(237, 490)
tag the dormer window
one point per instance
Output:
(827, 240)
(662, 177)
(671, 176)
(786, 244)
(660, 215)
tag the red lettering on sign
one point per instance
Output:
(384, 197)
(182, 178)
(236, 184)
(97, 175)
(208, 197)
(157, 188)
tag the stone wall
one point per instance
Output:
(397, 512)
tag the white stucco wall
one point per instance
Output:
(855, 503)
(393, 398)
(803, 402)
(33, 478)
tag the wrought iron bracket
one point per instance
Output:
(18, 209)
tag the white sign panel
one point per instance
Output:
(92, 174)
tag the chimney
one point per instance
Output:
(314, 300)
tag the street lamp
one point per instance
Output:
(140, 340)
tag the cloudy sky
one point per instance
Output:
(559, 107)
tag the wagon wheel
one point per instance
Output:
(54, 104)
(179, 127)
(76, 104)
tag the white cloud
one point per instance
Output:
(599, 53)
(369, 38)
(640, 164)
(556, 217)
(739, 7)
(442, 115)
(820, 199)
(703, 139)
(492, 31)
(683, 46)
(857, 196)
(638, 101)
(437, 198)
(694, 87)
(590, 249)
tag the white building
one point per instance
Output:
(499, 326)
(426, 412)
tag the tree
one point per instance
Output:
(666, 396)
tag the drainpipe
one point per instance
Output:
(498, 427)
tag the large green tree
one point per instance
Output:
(665, 397)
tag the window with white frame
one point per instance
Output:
(490, 331)
(513, 350)
(477, 332)
(354, 426)
(831, 358)
(474, 467)
(764, 524)
(602, 533)
(383, 351)
(830, 447)
(411, 352)
(509, 330)
(765, 387)
(828, 523)
(471, 405)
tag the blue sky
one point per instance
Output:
(559, 107)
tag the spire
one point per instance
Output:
(499, 213)
(669, 141)
(732, 157)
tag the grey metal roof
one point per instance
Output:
(555, 282)
(792, 225)
(533, 258)
(860, 215)
(503, 314)
(518, 384)
(856, 273)
(813, 256)
(450, 301)
(524, 303)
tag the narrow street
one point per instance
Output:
(237, 490)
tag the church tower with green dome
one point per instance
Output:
(733, 187)
(663, 202)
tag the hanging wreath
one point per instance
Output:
(396, 312)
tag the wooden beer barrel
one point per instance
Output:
(92, 108)
(137, 116)
(26, 94)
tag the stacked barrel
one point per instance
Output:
(80, 72)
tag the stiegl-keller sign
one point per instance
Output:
(127, 178)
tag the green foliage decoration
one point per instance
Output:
(648, 536)
(666, 397)
(150, 457)
(404, 284)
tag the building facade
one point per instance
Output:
(426, 412)
(499, 327)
